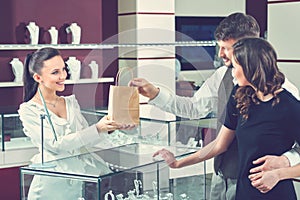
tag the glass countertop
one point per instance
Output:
(101, 163)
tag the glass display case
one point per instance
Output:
(163, 128)
(125, 172)
(12, 135)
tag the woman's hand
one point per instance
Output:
(106, 124)
(264, 181)
(168, 157)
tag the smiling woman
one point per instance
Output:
(45, 73)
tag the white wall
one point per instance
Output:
(208, 7)
(283, 34)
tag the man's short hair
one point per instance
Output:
(237, 26)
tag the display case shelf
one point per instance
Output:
(102, 46)
(67, 82)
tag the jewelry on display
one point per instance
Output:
(131, 195)
(17, 67)
(53, 34)
(137, 185)
(183, 196)
(74, 66)
(112, 196)
(34, 32)
(76, 32)
(154, 187)
(119, 197)
(94, 68)
(169, 196)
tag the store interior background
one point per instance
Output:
(100, 21)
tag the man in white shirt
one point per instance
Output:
(210, 96)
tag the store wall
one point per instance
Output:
(10, 183)
(283, 33)
(208, 8)
(98, 22)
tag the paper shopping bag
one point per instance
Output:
(123, 104)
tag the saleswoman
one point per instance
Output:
(44, 76)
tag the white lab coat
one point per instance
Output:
(74, 136)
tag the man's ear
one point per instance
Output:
(37, 77)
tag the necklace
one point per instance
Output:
(49, 103)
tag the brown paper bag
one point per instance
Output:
(123, 104)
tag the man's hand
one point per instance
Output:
(264, 181)
(145, 88)
(265, 176)
(269, 163)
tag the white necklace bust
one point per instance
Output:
(76, 32)
(94, 68)
(34, 32)
(53, 34)
(17, 68)
(75, 67)
(110, 193)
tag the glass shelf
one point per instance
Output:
(67, 82)
(102, 46)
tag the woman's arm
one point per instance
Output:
(216, 147)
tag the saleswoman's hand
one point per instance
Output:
(106, 124)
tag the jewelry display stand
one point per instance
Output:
(94, 68)
(76, 32)
(75, 67)
(53, 34)
(109, 195)
(34, 32)
(17, 68)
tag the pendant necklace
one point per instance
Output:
(49, 103)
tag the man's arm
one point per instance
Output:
(203, 102)
(270, 162)
(264, 181)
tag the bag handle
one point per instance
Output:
(117, 81)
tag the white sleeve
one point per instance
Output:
(66, 140)
(203, 103)
(293, 156)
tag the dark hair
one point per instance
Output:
(237, 26)
(33, 64)
(258, 59)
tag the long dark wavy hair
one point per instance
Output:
(33, 64)
(258, 59)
